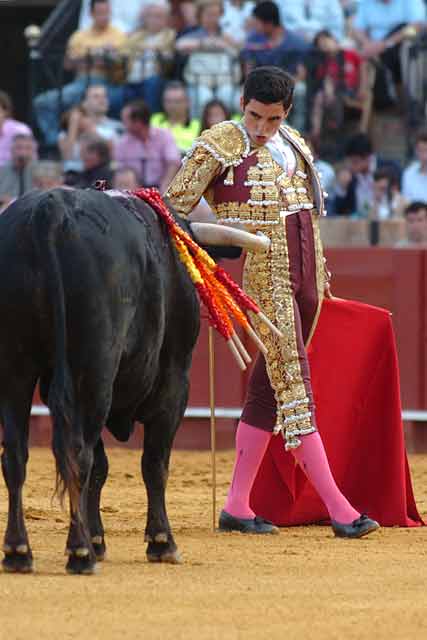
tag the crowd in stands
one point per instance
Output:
(147, 76)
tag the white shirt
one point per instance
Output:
(414, 183)
(327, 174)
(282, 153)
(307, 17)
(234, 18)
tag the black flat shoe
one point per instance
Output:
(257, 525)
(356, 529)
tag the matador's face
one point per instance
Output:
(262, 121)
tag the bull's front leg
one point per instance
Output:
(18, 557)
(158, 438)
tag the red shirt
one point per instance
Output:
(350, 75)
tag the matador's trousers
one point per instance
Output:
(288, 284)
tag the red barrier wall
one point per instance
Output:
(395, 279)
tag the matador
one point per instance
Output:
(259, 174)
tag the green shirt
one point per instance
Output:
(184, 135)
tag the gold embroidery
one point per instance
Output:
(267, 280)
(320, 272)
(192, 180)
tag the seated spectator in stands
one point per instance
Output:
(76, 124)
(235, 19)
(271, 43)
(307, 17)
(94, 55)
(47, 175)
(96, 106)
(352, 197)
(385, 203)
(176, 116)
(379, 27)
(325, 170)
(340, 84)
(214, 112)
(96, 159)
(88, 118)
(16, 175)
(125, 15)
(212, 68)
(149, 150)
(187, 18)
(149, 51)
(9, 128)
(125, 179)
(416, 225)
(414, 177)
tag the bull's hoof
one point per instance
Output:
(99, 548)
(81, 561)
(17, 559)
(163, 552)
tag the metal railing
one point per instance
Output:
(234, 413)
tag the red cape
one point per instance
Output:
(355, 380)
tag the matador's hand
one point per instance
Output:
(327, 292)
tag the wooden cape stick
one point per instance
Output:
(213, 426)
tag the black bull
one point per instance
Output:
(95, 304)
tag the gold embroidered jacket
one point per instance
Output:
(245, 185)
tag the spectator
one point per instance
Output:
(176, 116)
(187, 17)
(126, 16)
(385, 203)
(353, 196)
(325, 170)
(272, 44)
(414, 178)
(148, 50)
(235, 18)
(92, 53)
(47, 175)
(96, 158)
(96, 106)
(214, 112)
(150, 151)
(340, 82)
(307, 17)
(379, 27)
(212, 69)
(416, 225)
(9, 128)
(16, 176)
(125, 179)
(76, 125)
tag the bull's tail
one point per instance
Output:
(49, 220)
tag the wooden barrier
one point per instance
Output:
(349, 232)
(395, 279)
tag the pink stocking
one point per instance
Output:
(311, 456)
(251, 445)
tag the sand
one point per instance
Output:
(301, 584)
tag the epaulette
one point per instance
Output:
(295, 135)
(227, 141)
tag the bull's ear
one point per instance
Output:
(231, 253)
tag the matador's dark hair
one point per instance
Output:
(269, 85)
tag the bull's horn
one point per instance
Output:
(215, 234)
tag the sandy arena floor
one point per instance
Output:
(301, 584)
